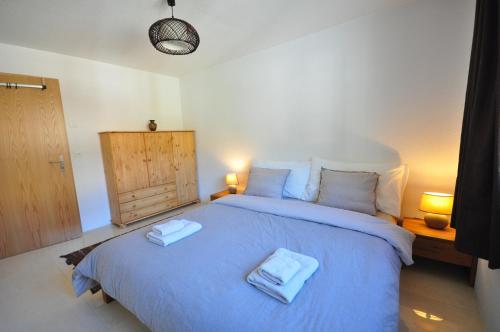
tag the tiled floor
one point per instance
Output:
(441, 294)
(36, 295)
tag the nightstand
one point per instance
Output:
(223, 193)
(439, 245)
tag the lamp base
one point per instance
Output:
(232, 189)
(437, 221)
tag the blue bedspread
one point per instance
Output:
(198, 283)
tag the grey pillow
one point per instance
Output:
(353, 191)
(266, 182)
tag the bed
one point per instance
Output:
(198, 283)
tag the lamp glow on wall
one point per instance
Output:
(438, 208)
(232, 182)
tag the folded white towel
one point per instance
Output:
(279, 268)
(286, 293)
(169, 227)
(189, 228)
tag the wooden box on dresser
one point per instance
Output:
(148, 173)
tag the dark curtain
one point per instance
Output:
(476, 213)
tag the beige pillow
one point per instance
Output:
(346, 190)
(390, 187)
(266, 182)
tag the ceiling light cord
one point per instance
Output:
(171, 3)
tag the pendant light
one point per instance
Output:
(174, 36)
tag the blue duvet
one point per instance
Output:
(198, 283)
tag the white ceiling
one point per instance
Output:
(116, 31)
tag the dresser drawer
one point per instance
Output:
(148, 211)
(148, 201)
(147, 192)
(440, 250)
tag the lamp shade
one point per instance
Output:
(231, 179)
(174, 36)
(437, 203)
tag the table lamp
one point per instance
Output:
(232, 182)
(438, 208)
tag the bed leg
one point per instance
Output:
(106, 298)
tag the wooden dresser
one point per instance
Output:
(148, 172)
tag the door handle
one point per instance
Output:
(60, 162)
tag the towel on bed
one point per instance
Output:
(169, 227)
(189, 228)
(286, 293)
(279, 268)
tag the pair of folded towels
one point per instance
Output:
(172, 231)
(283, 274)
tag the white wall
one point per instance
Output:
(381, 88)
(488, 295)
(98, 97)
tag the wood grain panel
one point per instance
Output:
(160, 158)
(418, 227)
(148, 211)
(148, 201)
(443, 251)
(144, 171)
(438, 244)
(185, 166)
(129, 160)
(107, 157)
(142, 193)
(145, 131)
(38, 200)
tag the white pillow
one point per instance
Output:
(390, 187)
(295, 186)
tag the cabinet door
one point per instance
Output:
(129, 161)
(185, 166)
(160, 158)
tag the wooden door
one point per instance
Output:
(185, 166)
(129, 161)
(38, 205)
(160, 158)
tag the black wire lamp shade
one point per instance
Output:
(174, 36)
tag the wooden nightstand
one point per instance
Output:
(223, 193)
(439, 245)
